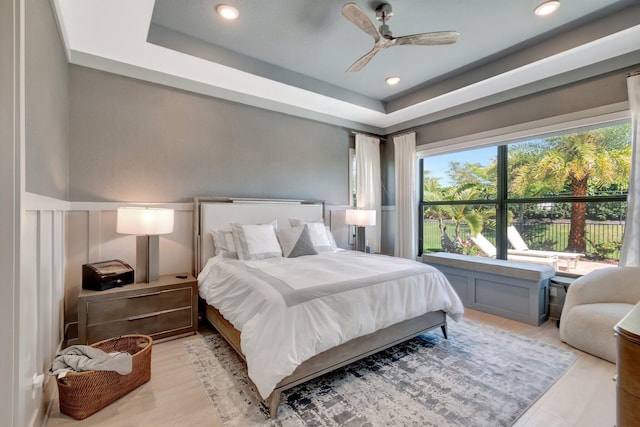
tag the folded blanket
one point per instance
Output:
(78, 358)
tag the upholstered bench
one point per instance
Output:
(514, 290)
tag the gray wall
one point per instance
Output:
(46, 105)
(387, 172)
(591, 93)
(134, 141)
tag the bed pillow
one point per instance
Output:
(332, 239)
(256, 241)
(223, 244)
(318, 233)
(295, 241)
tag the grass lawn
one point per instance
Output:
(545, 236)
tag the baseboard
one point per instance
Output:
(49, 396)
(70, 334)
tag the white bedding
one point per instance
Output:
(290, 309)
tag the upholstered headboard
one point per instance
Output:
(218, 212)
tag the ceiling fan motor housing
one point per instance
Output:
(384, 12)
(385, 31)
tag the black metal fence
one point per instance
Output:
(603, 238)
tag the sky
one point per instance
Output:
(439, 165)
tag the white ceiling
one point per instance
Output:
(291, 55)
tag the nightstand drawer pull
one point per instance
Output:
(143, 316)
(144, 295)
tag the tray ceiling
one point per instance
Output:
(291, 55)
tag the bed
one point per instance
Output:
(307, 315)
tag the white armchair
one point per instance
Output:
(594, 304)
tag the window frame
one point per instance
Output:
(502, 201)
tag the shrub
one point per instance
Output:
(602, 250)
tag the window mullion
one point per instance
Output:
(501, 205)
(420, 209)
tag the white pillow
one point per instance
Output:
(332, 239)
(318, 233)
(256, 241)
(223, 244)
(295, 241)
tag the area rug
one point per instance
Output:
(480, 376)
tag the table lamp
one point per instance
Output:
(360, 218)
(146, 224)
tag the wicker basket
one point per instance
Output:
(85, 393)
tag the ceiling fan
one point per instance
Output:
(384, 38)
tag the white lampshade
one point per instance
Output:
(360, 217)
(146, 223)
(143, 221)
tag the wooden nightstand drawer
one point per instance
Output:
(627, 366)
(157, 325)
(137, 305)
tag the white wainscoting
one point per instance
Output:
(41, 302)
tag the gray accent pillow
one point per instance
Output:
(223, 244)
(295, 241)
(318, 233)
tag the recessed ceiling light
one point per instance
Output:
(227, 12)
(547, 8)
(392, 81)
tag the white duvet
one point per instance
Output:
(290, 309)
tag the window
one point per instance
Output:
(352, 177)
(558, 195)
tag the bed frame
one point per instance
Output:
(217, 212)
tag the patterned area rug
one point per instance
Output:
(480, 376)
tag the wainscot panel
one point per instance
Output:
(513, 290)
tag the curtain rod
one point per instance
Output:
(633, 73)
(382, 138)
(406, 132)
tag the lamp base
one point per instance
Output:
(361, 241)
(147, 258)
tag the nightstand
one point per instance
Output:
(558, 287)
(167, 307)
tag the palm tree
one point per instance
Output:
(431, 193)
(459, 213)
(463, 213)
(572, 162)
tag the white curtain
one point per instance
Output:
(630, 253)
(368, 184)
(406, 195)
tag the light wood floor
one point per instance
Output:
(584, 396)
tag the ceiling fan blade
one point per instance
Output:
(364, 60)
(353, 13)
(439, 37)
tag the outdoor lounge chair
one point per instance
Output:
(521, 248)
(490, 250)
